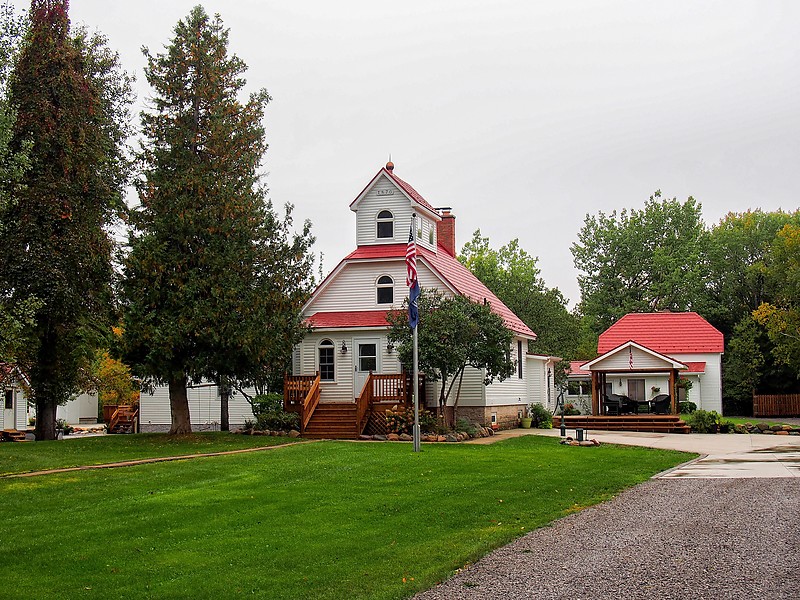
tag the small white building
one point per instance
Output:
(641, 354)
(205, 409)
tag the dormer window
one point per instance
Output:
(385, 290)
(385, 224)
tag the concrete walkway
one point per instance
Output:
(723, 455)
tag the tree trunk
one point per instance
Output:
(45, 420)
(179, 406)
(224, 415)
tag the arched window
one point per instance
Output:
(385, 224)
(326, 366)
(385, 290)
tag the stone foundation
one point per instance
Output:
(507, 416)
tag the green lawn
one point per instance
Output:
(323, 520)
(21, 458)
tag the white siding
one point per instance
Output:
(385, 195)
(81, 409)
(706, 389)
(512, 390)
(355, 287)
(621, 360)
(536, 382)
(204, 407)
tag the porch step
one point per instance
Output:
(648, 423)
(333, 421)
(12, 435)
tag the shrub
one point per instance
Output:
(703, 421)
(402, 420)
(569, 409)
(687, 407)
(63, 425)
(542, 419)
(249, 424)
(270, 416)
(466, 426)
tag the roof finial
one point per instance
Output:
(390, 164)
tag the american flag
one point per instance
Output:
(411, 279)
(411, 258)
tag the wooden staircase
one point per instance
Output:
(651, 423)
(12, 435)
(333, 420)
(125, 419)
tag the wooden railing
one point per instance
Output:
(295, 390)
(301, 395)
(363, 402)
(309, 404)
(124, 415)
(776, 405)
(389, 388)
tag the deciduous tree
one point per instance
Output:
(454, 333)
(640, 260)
(215, 279)
(513, 275)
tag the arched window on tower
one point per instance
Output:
(385, 290)
(385, 224)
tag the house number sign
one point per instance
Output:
(388, 192)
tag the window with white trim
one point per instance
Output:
(385, 288)
(326, 352)
(385, 225)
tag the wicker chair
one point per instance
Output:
(661, 404)
(612, 405)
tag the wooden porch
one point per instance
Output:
(647, 423)
(341, 420)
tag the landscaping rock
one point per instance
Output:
(441, 438)
(781, 432)
(256, 432)
(294, 433)
(768, 431)
(365, 437)
(380, 438)
(762, 426)
(794, 433)
(393, 437)
(404, 437)
(586, 443)
(451, 438)
(777, 428)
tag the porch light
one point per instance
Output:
(344, 348)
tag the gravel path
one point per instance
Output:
(664, 539)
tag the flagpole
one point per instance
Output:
(416, 431)
(416, 394)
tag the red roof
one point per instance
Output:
(362, 318)
(663, 332)
(452, 272)
(695, 367)
(413, 194)
(575, 368)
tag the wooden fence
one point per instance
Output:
(776, 405)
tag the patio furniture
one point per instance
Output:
(629, 406)
(661, 404)
(612, 405)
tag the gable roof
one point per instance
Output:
(409, 191)
(630, 345)
(452, 273)
(663, 332)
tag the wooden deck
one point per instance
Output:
(652, 423)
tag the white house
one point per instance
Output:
(348, 310)
(205, 409)
(643, 354)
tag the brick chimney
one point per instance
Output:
(446, 231)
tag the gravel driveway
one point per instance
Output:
(664, 539)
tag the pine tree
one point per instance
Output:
(214, 281)
(54, 244)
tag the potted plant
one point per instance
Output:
(525, 422)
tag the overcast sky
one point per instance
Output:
(522, 116)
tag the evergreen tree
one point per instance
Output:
(214, 281)
(54, 245)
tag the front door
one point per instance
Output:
(9, 422)
(366, 360)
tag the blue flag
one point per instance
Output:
(413, 308)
